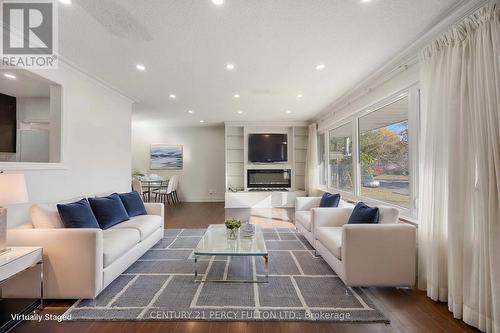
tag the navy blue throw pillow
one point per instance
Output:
(329, 200)
(133, 203)
(109, 210)
(364, 214)
(77, 215)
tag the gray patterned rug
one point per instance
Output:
(161, 286)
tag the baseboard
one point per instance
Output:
(202, 199)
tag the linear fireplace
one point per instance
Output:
(269, 178)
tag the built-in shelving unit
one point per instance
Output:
(235, 160)
(237, 164)
(300, 135)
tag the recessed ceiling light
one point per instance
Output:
(10, 76)
(202, 121)
(236, 95)
(365, 1)
(172, 96)
(230, 67)
(66, 2)
(218, 2)
(240, 112)
(288, 111)
(320, 67)
(190, 111)
(300, 96)
(140, 67)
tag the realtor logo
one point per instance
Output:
(29, 34)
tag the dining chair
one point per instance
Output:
(175, 180)
(164, 192)
(137, 187)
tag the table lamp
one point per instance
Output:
(12, 191)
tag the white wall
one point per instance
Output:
(203, 148)
(96, 144)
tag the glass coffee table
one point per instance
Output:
(216, 243)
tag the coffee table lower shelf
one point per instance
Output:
(266, 268)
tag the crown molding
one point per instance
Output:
(404, 59)
(268, 123)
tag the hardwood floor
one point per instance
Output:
(408, 310)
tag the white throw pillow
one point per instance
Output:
(46, 216)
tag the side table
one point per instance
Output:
(13, 262)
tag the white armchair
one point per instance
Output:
(365, 255)
(304, 219)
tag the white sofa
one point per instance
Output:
(80, 263)
(304, 219)
(367, 255)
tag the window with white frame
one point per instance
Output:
(384, 154)
(373, 155)
(340, 167)
(321, 159)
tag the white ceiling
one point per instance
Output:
(274, 44)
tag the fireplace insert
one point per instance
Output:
(272, 178)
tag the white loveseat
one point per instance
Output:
(367, 255)
(304, 218)
(80, 263)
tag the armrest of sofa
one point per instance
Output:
(306, 203)
(73, 260)
(154, 208)
(330, 217)
(379, 254)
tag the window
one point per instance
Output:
(321, 159)
(373, 156)
(340, 158)
(384, 154)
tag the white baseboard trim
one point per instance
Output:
(202, 199)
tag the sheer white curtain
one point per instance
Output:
(459, 234)
(312, 172)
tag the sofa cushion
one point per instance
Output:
(133, 203)
(331, 238)
(304, 218)
(109, 210)
(388, 215)
(117, 242)
(77, 215)
(46, 215)
(144, 224)
(362, 214)
(329, 200)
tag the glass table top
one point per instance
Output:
(215, 242)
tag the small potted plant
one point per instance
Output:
(232, 226)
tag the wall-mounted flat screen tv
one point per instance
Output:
(267, 148)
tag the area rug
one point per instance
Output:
(161, 286)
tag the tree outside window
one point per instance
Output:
(383, 154)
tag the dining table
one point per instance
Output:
(153, 183)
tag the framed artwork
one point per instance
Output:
(166, 157)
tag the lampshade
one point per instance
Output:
(12, 189)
